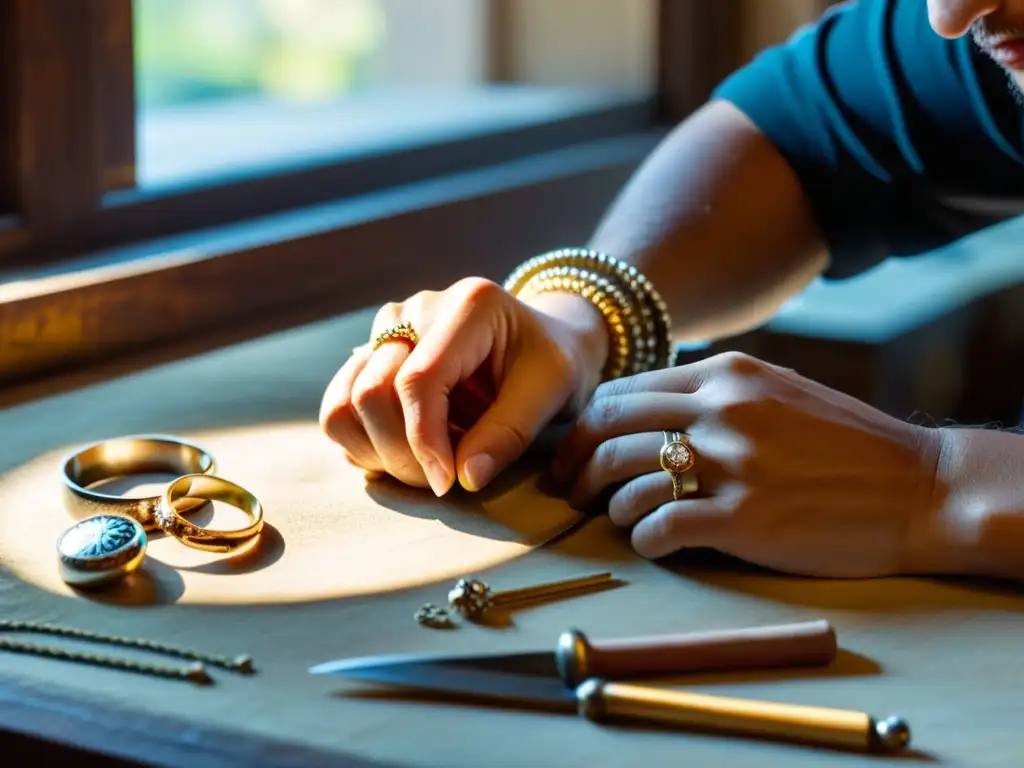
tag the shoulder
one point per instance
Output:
(883, 120)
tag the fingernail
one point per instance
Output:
(438, 477)
(478, 471)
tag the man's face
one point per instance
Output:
(997, 27)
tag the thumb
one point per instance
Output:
(525, 403)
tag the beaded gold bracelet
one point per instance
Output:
(654, 346)
(613, 304)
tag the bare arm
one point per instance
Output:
(976, 521)
(717, 220)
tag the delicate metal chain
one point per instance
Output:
(242, 663)
(195, 672)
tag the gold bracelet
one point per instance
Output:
(656, 341)
(611, 302)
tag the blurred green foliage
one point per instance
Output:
(190, 50)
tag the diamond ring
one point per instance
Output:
(677, 458)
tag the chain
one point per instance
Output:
(195, 671)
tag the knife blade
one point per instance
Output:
(575, 657)
(601, 701)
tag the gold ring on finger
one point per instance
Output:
(677, 458)
(402, 331)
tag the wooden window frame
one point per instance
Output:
(79, 257)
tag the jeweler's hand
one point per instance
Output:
(793, 475)
(487, 374)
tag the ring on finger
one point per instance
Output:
(677, 458)
(403, 331)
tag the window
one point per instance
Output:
(172, 167)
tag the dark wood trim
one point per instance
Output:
(341, 257)
(71, 732)
(116, 93)
(8, 124)
(135, 215)
(698, 45)
(55, 106)
(499, 40)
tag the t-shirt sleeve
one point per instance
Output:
(884, 122)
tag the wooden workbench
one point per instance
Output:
(329, 582)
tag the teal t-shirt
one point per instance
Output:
(904, 141)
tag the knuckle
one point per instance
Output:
(368, 393)
(388, 312)
(511, 436)
(626, 503)
(605, 457)
(477, 290)
(614, 388)
(601, 416)
(411, 382)
(740, 363)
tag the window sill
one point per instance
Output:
(234, 139)
(217, 285)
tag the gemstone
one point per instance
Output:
(99, 537)
(677, 454)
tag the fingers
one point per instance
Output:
(524, 404)
(698, 522)
(379, 410)
(338, 417)
(616, 461)
(639, 497)
(609, 417)
(453, 350)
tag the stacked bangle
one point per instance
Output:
(640, 327)
(616, 308)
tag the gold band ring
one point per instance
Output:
(677, 458)
(400, 331)
(123, 456)
(208, 488)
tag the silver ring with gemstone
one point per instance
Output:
(100, 550)
(677, 458)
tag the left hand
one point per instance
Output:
(793, 475)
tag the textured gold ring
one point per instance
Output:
(401, 331)
(208, 488)
(677, 458)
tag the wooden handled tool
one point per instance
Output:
(600, 700)
(787, 645)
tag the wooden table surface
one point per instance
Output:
(944, 655)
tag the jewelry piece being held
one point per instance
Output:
(101, 550)
(677, 458)
(129, 456)
(209, 488)
(400, 331)
(473, 597)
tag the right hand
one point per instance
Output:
(489, 372)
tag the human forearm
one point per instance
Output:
(975, 524)
(717, 221)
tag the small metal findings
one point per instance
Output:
(473, 597)
(101, 550)
(435, 617)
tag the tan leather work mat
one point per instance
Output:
(345, 565)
